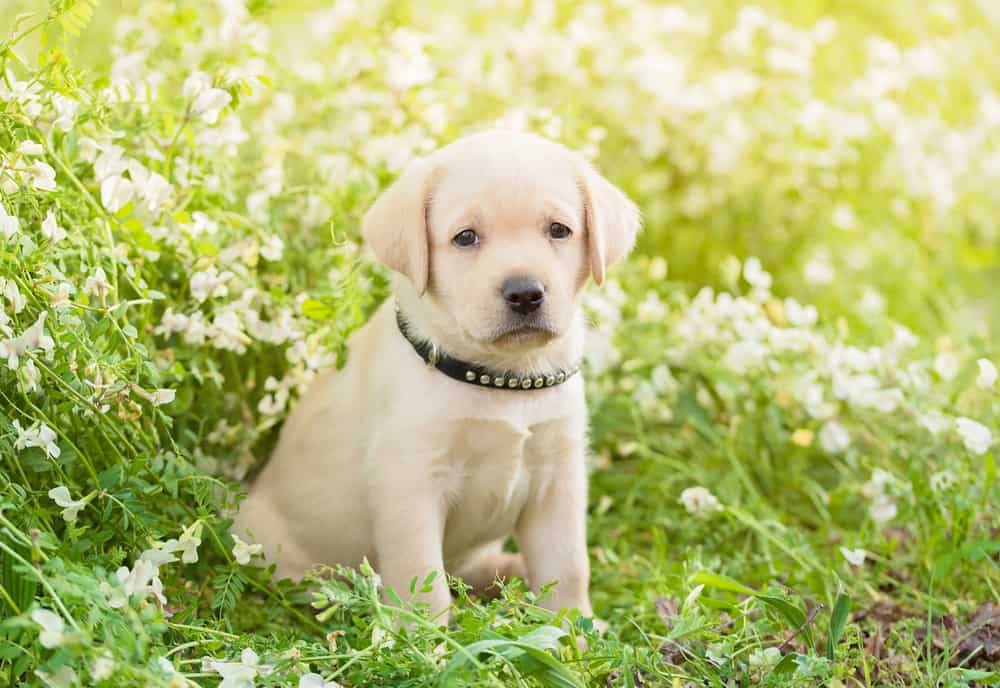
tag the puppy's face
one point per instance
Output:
(507, 243)
(499, 232)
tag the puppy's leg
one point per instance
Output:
(552, 533)
(409, 529)
(489, 563)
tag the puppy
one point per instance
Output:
(459, 418)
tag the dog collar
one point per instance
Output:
(478, 375)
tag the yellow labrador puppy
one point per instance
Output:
(459, 419)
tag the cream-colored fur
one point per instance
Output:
(391, 460)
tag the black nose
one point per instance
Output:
(523, 294)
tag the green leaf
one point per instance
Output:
(228, 590)
(689, 409)
(206, 248)
(795, 617)
(786, 665)
(720, 582)
(76, 16)
(976, 674)
(317, 310)
(838, 619)
(528, 654)
(20, 586)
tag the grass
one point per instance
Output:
(780, 495)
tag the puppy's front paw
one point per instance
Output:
(482, 573)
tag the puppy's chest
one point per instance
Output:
(496, 464)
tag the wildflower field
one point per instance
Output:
(792, 382)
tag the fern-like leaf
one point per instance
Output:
(228, 590)
(74, 15)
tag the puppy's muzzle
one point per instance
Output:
(523, 295)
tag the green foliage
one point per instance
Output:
(794, 477)
(74, 15)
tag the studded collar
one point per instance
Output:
(473, 374)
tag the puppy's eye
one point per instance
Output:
(558, 230)
(465, 238)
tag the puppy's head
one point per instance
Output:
(497, 234)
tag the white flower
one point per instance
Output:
(854, 557)
(31, 375)
(196, 83)
(102, 667)
(188, 543)
(743, 356)
(942, 481)
(987, 374)
(66, 109)
(53, 628)
(651, 309)
(239, 674)
(976, 436)
(242, 551)
(946, 365)
(272, 248)
(40, 436)
(316, 681)
(833, 438)
(43, 177)
(226, 332)
(799, 315)
(60, 298)
(171, 323)
(31, 340)
(755, 275)
(818, 271)
(407, 64)
(876, 485)
(70, 507)
(13, 294)
(163, 396)
(209, 283)
(89, 148)
(275, 403)
(30, 148)
(208, 101)
(8, 224)
(202, 224)
(157, 397)
(51, 230)
(843, 217)
(196, 329)
(883, 509)
(935, 422)
(142, 580)
(160, 553)
(156, 192)
(63, 677)
(109, 162)
(764, 658)
(382, 637)
(166, 666)
(97, 284)
(699, 501)
(116, 192)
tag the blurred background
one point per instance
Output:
(852, 146)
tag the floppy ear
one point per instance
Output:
(612, 222)
(396, 224)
